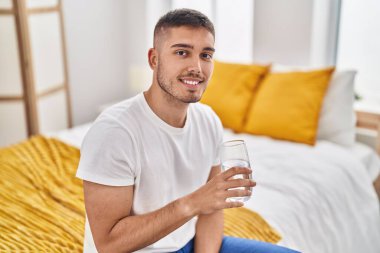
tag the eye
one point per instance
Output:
(181, 52)
(206, 56)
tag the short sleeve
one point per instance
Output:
(108, 155)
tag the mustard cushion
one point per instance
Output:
(287, 105)
(230, 91)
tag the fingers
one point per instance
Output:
(234, 183)
(234, 171)
(238, 193)
(233, 204)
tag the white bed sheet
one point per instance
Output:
(368, 157)
(319, 198)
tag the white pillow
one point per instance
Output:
(337, 118)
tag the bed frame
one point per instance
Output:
(371, 122)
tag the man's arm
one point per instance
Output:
(209, 231)
(115, 229)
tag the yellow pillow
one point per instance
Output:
(230, 91)
(287, 105)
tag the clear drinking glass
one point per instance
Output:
(234, 154)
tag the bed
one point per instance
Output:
(318, 198)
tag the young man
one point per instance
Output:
(150, 164)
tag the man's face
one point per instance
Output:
(185, 63)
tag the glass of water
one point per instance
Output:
(234, 154)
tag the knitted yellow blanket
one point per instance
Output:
(41, 201)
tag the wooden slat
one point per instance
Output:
(6, 12)
(26, 66)
(370, 121)
(10, 98)
(51, 91)
(66, 75)
(42, 10)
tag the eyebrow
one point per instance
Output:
(192, 47)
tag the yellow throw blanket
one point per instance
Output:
(42, 207)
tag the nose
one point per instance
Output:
(195, 66)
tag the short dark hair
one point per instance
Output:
(183, 17)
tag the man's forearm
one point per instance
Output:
(209, 232)
(136, 232)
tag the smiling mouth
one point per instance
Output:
(191, 82)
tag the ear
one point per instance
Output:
(152, 58)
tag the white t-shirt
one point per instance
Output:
(129, 144)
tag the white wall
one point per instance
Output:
(97, 43)
(359, 45)
(324, 32)
(234, 30)
(204, 6)
(282, 31)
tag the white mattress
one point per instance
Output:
(319, 198)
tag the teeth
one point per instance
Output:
(191, 82)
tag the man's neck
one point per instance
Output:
(170, 110)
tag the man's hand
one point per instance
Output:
(213, 195)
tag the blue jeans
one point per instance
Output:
(239, 245)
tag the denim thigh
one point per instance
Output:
(240, 245)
